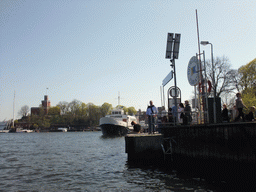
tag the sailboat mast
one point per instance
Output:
(13, 109)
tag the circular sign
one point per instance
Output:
(192, 72)
(172, 92)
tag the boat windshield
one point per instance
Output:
(117, 112)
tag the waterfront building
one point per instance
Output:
(46, 104)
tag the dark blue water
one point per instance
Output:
(81, 161)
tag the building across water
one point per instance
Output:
(46, 104)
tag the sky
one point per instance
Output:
(93, 50)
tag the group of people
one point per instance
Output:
(181, 116)
(237, 112)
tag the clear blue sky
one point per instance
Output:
(91, 50)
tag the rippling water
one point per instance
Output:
(80, 161)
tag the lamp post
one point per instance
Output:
(213, 79)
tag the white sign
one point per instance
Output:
(192, 72)
(167, 78)
(172, 92)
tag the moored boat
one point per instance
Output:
(62, 129)
(21, 130)
(4, 126)
(117, 124)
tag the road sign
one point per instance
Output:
(167, 78)
(172, 92)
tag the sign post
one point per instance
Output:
(172, 53)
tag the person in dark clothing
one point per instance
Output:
(170, 115)
(250, 115)
(224, 114)
(187, 114)
(136, 127)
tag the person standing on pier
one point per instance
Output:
(181, 113)
(187, 110)
(151, 114)
(224, 114)
(250, 115)
(240, 105)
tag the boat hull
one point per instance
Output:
(113, 130)
(116, 124)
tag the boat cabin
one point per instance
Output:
(117, 112)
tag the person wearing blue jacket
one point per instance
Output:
(151, 114)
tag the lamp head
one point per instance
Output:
(205, 42)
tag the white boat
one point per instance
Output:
(117, 124)
(63, 129)
(4, 127)
(21, 130)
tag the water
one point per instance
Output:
(81, 161)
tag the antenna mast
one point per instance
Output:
(118, 98)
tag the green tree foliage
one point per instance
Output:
(249, 100)
(42, 120)
(248, 83)
(94, 114)
(131, 111)
(74, 114)
(54, 111)
(105, 109)
(248, 79)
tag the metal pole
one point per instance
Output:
(175, 98)
(206, 97)
(164, 97)
(161, 96)
(199, 94)
(196, 104)
(213, 82)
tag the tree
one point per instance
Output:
(24, 111)
(248, 79)
(236, 79)
(94, 114)
(54, 111)
(248, 83)
(63, 105)
(224, 75)
(105, 109)
(131, 111)
(74, 107)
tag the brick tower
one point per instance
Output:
(46, 104)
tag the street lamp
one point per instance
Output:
(213, 80)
